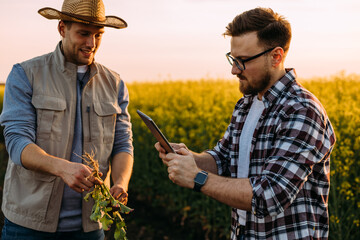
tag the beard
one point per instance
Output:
(254, 86)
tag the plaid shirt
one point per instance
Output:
(289, 163)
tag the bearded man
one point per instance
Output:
(272, 165)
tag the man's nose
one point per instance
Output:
(235, 70)
(90, 42)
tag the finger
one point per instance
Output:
(169, 170)
(90, 180)
(159, 148)
(175, 146)
(167, 157)
(98, 181)
(94, 180)
(79, 189)
(85, 187)
(162, 155)
(172, 163)
(87, 170)
(122, 196)
(182, 145)
(171, 156)
(178, 146)
(123, 199)
(171, 177)
(165, 162)
(87, 182)
(183, 151)
(115, 192)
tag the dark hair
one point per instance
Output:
(68, 24)
(272, 29)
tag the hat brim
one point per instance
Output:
(110, 21)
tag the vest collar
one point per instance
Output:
(64, 65)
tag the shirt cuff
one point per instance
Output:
(16, 151)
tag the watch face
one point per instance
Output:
(200, 178)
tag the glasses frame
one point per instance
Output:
(239, 61)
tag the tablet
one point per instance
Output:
(156, 132)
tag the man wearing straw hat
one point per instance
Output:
(56, 108)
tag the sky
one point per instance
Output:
(182, 39)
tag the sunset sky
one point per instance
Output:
(182, 39)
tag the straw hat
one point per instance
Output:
(84, 11)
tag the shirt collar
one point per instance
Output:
(274, 92)
(279, 87)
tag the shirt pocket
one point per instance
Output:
(104, 120)
(50, 114)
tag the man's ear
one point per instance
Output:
(61, 28)
(277, 56)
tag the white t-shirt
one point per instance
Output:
(82, 68)
(246, 136)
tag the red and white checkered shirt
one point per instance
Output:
(289, 163)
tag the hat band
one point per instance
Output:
(86, 18)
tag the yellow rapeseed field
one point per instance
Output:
(197, 113)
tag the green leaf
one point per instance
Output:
(105, 204)
(117, 234)
(106, 222)
(86, 198)
(125, 209)
(120, 233)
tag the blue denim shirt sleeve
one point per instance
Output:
(123, 133)
(18, 116)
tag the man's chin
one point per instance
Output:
(243, 89)
(85, 62)
(246, 90)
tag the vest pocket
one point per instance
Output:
(103, 124)
(32, 195)
(50, 112)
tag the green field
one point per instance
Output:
(197, 113)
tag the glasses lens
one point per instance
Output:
(232, 60)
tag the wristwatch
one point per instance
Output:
(200, 180)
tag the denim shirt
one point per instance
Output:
(19, 117)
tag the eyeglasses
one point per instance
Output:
(240, 63)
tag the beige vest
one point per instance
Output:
(32, 199)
